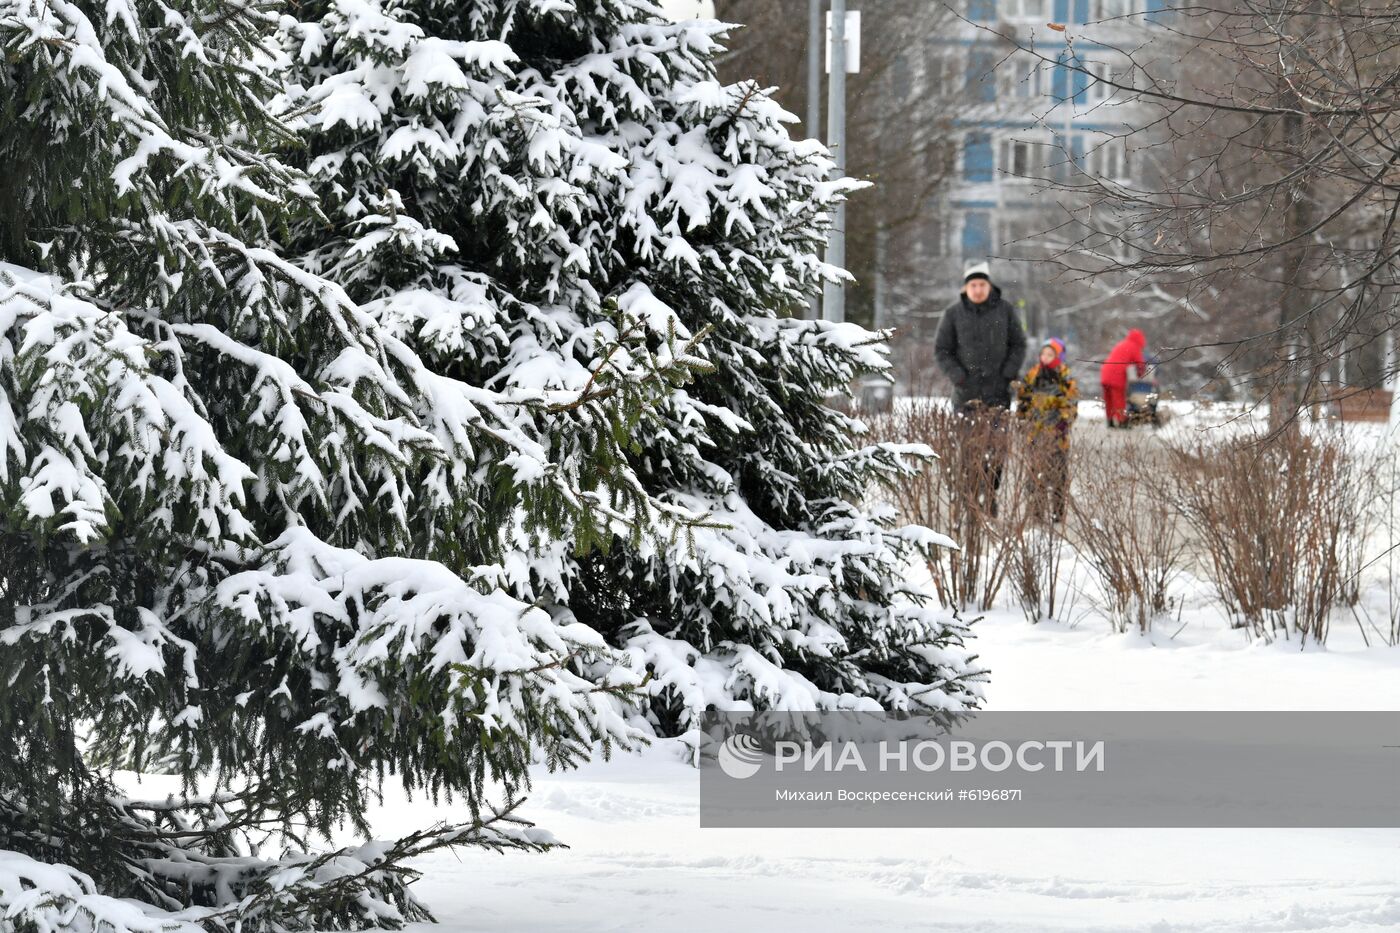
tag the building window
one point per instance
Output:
(1059, 84)
(1059, 156)
(1098, 89)
(977, 234)
(1078, 80)
(932, 240)
(981, 10)
(1019, 158)
(940, 158)
(1106, 159)
(1112, 9)
(981, 77)
(977, 157)
(938, 75)
(1026, 9)
(1021, 235)
(900, 79)
(1022, 79)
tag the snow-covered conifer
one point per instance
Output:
(498, 175)
(250, 530)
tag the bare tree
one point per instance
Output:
(902, 106)
(1274, 136)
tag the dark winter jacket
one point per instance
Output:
(980, 348)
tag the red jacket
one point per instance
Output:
(1114, 371)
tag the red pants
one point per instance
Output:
(1115, 400)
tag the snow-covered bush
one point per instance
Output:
(497, 176)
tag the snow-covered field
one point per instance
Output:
(639, 860)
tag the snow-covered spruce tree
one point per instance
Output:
(245, 530)
(498, 175)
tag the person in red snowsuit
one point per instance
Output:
(1113, 375)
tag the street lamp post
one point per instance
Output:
(834, 293)
(815, 51)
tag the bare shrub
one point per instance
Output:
(1031, 501)
(1361, 487)
(1125, 527)
(1282, 522)
(956, 494)
(1388, 483)
(1279, 524)
(1035, 564)
(1375, 524)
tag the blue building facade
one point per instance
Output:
(1043, 118)
(1027, 122)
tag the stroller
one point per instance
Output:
(1142, 400)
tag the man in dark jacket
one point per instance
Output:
(980, 344)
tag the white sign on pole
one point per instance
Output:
(852, 42)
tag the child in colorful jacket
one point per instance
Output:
(1047, 402)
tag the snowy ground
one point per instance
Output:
(639, 861)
